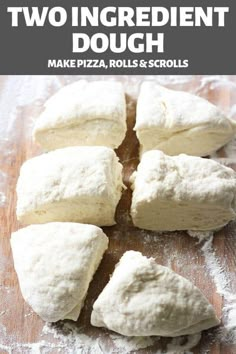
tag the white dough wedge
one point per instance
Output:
(143, 298)
(55, 263)
(178, 122)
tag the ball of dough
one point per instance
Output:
(78, 184)
(182, 193)
(177, 122)
(143, 298)
(83, 113)
(55, 263)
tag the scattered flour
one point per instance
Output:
(132, 343)
(115, 343)
(178, 346)
(3, 183)
(74, 340)
(67, 338)
(41, 347)
(3, 199)
(29, 314)
(215, 269)
(220, 276)
(201, 235)
(13, 97)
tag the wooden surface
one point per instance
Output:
(177, 250)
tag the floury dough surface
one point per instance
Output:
(83, 113)
(78, 184)
(182, 193)
(143, 298)
(178, 122)
(55, 263)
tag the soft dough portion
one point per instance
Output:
(182, 193)
(83, 113)
(55, 263)
(143, 298)
(79, 184)
(177, 122)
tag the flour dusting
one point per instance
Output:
(67, 338)
(73, 339)
(3, 183)
(217, 271)
(3, 199)
(227, 332)
(180, 345)
(132, 343)
(201, 235)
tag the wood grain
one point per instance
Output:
(176, 250)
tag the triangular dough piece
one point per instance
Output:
(178, 122)
(55, 263)
(143, 298)
(83, 113)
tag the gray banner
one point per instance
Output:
(48, 48)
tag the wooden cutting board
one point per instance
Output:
(184, 254)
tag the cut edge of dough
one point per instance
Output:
(112, 134)
(38, 216)
(175, 143)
